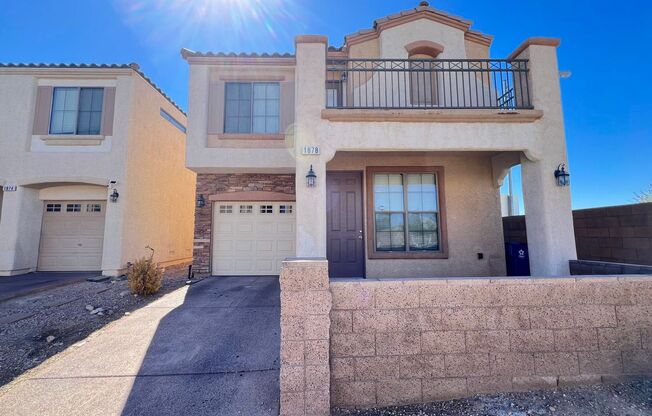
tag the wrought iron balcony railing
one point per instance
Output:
(427, 84)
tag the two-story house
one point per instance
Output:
(384, 155)
(92, 170)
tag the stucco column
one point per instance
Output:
(20, 231)
(548, 214)
(310, 77)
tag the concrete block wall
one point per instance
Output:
(620, 234)
(397, 342)
(305, 326)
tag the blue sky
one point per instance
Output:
(604, 43)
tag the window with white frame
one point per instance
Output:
(285, 209)
(226, 209)
(93, 208)
(53, 208)
(266, 209)
(73, 207)
(251, 107)
(246, 209)
(76, 111)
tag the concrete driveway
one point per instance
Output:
(207, 349)
(15, 286)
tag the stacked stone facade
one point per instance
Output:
(212, 183)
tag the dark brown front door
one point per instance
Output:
(345, 250)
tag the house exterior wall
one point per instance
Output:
(211, 184)
(473, 218)
(159, 204)
(42, 168)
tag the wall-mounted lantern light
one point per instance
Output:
(201, 202)
(311, 178)
(563, 177)
(114, 195)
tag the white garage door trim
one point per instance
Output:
(252, 238)
(72, 236)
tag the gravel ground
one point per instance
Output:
(627, 399)
(35, 327)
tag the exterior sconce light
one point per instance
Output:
(114, 195)
(311, 178)
(201, 202)
(563, 177)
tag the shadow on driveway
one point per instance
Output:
(217, 353)
(16, 286)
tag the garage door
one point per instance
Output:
(71, 236)
(252, 238)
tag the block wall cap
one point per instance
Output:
(554, 42)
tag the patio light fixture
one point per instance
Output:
(114, 195)
(311, 178)
(201, 202)
(563, 177)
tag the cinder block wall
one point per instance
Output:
(621, 234)
(397, 342)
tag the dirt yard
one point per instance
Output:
(627, 399)
(35, 327)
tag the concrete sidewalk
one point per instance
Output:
(207, 349)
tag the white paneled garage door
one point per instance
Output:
(71, 236)
(252, 238)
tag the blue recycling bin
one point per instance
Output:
(517, 258)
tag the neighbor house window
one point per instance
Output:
(73, 208)
(251, 107)
(405, 212)
(76, 110)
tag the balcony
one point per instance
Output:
(427, 84)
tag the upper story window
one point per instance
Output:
(251, 107)
(76, 111)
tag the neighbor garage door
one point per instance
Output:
(71, 236)
(252, 238)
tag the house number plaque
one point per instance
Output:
(10, 188)
(310, 150)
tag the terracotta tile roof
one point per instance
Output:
(134, 66)
(187, 53)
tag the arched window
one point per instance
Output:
(423, 75)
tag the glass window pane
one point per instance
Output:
(429, 201)
(429, 221)
(381, 202)
(383, 241)
(259, 108)
(83, 125)
(381, 182)
(98, 97)
(231, 125)
(231, 108)
(69, 122)
(271, 125)
(245, 90)
(415, 202)
(259, 125)
(259, 91)
(244, 108)
(422, 241)
(231, 91)
(397, 222)
(56, 124)
(396, 201)
(271, 108)
(58, 99)
(95, 123)
(272, 91)
(415, 222)
(398, 241)
(85, 99)
(72, 99)
(244, 125)
(395, 183)
(382, 222)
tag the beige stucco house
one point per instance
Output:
(92, 168)
(409, 129)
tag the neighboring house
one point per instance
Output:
(409, 128)
(92, 168)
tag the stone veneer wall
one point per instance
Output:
(211, 183)
(396, 342)
(620, 234)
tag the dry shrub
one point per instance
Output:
(144, 277)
